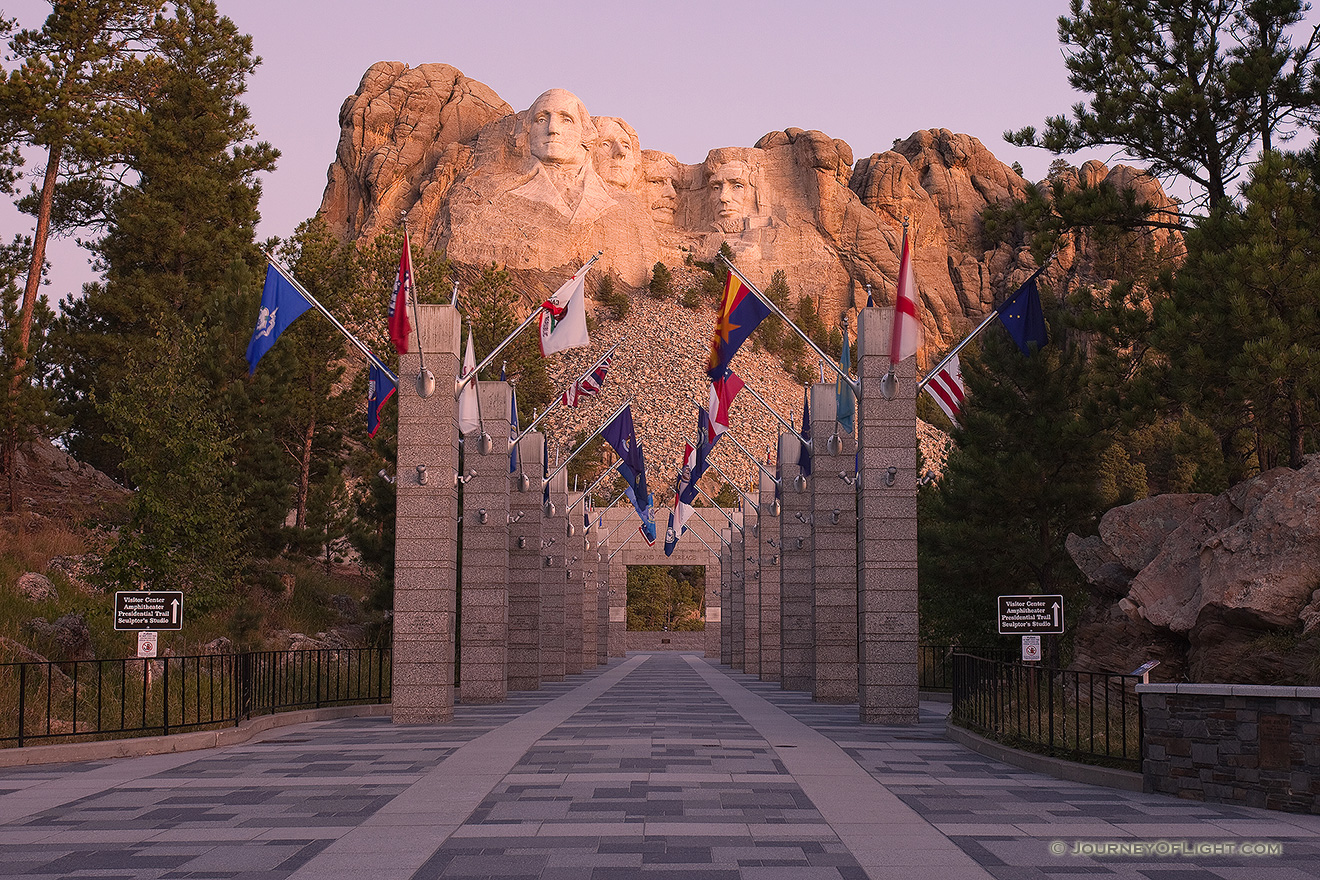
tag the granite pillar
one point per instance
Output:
(833, 551)
(726, 599)
(888, 544)
(575, 588)
(525, 564)
(796, 608)
(737, 597)
(618, 593)
(751, 566)
(712, 595)
(426, 526)
(553, 581)
(483, 660)
(768, 550)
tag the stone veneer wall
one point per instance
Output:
(678, 640)
(1242, 744)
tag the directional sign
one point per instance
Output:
(1030, 615)
(142, 610)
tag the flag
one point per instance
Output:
(678, 517)
(403, 293)
(906, 337)
(380, 388)
(469, 412)
(804, 457)
(1022, 317)
(741, 312)
(722, 393)
(281, 303)
(513, 423)
(947, 389)
(621, 435)
(588, 386)
(870, 298)
(564, 316)
(843, 391)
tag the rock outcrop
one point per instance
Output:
(485, 184)
(1233, 577)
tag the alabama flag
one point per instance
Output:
(906, 338)
(947, 388)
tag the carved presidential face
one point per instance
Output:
(558, 128)
(730, 188)
(662, 194)
(616, 154)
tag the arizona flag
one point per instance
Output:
(564, 316)
(380, 388)
(281, 303)
(403, 292)
(906, 338)
(741, 312)
(722, 393)
(947, 389)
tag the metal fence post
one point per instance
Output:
(22, 701)
(165, 699)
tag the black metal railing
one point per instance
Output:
(935, 663)
(1094, 717)
(106, 699)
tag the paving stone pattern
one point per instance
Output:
(658, 778)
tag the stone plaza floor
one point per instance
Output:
(657, 767)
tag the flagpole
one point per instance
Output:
(772, 410)
(536, 313)
(719, 471)
(857, 388)
(288, 276)
(422, 372)
(994, 314)
(708, 525)
(594, 434)
(754, 459)
(558, 400)
(621, 546)
(609, 470)
(732, 524)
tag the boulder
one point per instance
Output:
(36, 587)
(67, 639)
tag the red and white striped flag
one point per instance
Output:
(588, 386)
(906, 338)
(947, 389)
(722, 393)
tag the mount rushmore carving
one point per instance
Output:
(540, 190)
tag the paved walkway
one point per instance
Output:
(658, 767)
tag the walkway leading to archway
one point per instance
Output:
(658, 767)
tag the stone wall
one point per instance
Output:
(1242, 744)
(686, 640)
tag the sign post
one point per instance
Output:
(149, 610)
(1030, 615)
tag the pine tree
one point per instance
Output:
(662, 282)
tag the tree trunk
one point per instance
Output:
(1296, 435)
(304, 477)
(38, 261)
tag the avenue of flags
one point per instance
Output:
(562, 325)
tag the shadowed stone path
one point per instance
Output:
(659, 767)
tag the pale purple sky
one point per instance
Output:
(689, 76)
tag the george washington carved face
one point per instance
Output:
(559, 130)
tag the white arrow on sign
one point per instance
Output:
(174, 611)
(1056, 613)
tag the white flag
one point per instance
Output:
(947, 388)
(906, 338)
(564, 316)
(469, 415)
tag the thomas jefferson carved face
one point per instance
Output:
(616, 153)
(559, 129)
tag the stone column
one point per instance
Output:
(738, 597)
(526, 561)
(602, 595)
(726, 599)
(483, 662)
(618, 593)
(888, 545)
(713, 616)
(585, 545)
(834, 552)
(796, 608)
(426, 527)
(769, 552)
(553, 581)
(751, 568)
(575, 587)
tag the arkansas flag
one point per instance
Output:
(906, 338)
(403, 293)
(947, 388)
(722, 393)
(564, 316)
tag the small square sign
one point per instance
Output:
(147, 642)
(1031, 648)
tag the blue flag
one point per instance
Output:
(380, 388)
(1022, 317)
(621, 435)
(843, 391)
(281, 303)
(804, 457)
